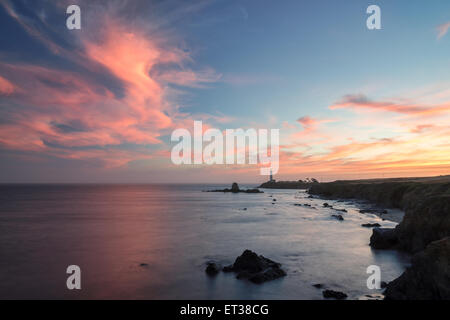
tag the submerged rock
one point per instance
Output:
(428, 278)
(334, 294)
(326, 205)
(338, 216)
(257, 269)
(383, 238)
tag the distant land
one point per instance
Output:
(306, 184)
(300, 184)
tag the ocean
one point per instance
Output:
(153, 241)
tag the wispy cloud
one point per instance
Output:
(442, 29)
(360, 101)
(78, 115)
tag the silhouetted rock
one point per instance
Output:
(256, 269)
(302, 205)
(326, 205)
(425, 222)
(318, 285)
(235, 189)
(383, 238)
(428, 278)
(371, 225)
(212, 268)
(338, 216)
(334, 294)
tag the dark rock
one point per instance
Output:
(425, 222)
(383, 238)
(228, 268)
(143, 265)
(428, 278)
(269, 274)
(383, 284)
(334, 294)
(341, 210)
(338, 216)
(371, 225)
(212, 268)
(235, 189)
(302, 205)
(318, 285)
(256, 269)
(326, 205)
(274, 200)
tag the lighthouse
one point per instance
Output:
(271, 177)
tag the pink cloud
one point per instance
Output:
(443, 29)
(63, 111)
(362, 102)
(6, 87)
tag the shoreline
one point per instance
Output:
(424, 230)
(367, 207)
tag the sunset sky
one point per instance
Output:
(99, 104)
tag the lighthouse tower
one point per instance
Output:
(271, 177)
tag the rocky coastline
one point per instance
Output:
(423, 232)
(300, 184)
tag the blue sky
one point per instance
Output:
(256, 63)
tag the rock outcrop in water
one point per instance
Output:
(383, 238)
(212, 268)
(257, 269)
(235, 189)
(427, 278)
(327, 294)
(370, 225)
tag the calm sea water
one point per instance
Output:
(110, 230)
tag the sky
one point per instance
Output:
(100, 104)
